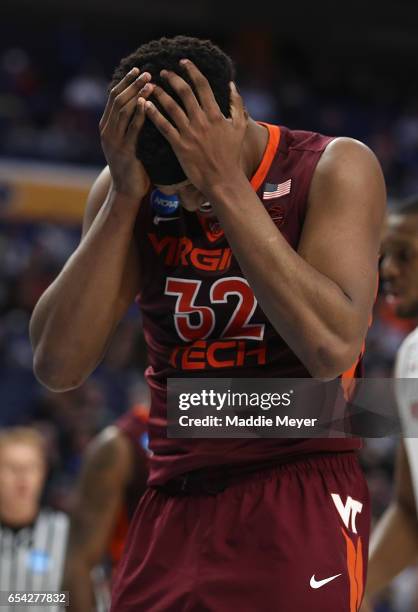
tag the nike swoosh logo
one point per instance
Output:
(158, 219)
(317, 584)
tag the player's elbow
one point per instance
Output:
(54, 375)
(333, 360)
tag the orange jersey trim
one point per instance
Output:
(359, 572)
(355, 571)
(269, 153)
(348, 381)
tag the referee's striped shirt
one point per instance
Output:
(32, 558)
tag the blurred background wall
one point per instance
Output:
(339, 68)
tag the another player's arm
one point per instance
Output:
(106, 472)
(318, 299)
(75, 317)
(394, 541)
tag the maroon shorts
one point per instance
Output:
(286, 539)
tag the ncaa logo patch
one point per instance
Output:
(164, 204)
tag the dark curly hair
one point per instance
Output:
(153, 149)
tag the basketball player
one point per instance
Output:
(112, 481)
(252, 250)
(394, 545)
(33, 540)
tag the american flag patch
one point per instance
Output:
(272, 190)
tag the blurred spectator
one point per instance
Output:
(33, 539)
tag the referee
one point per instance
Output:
(33, 540)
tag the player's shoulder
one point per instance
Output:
(339, 160)
(109, 455)
(348, 173)
(345, 156)
(108, 444)
(134, 425)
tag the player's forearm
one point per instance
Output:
(311, 313)
(75, 316)
(393, 546)
(77, 581)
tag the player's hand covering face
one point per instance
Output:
(206, 143)
(120, 125)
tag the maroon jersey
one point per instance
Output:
(201, 318)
